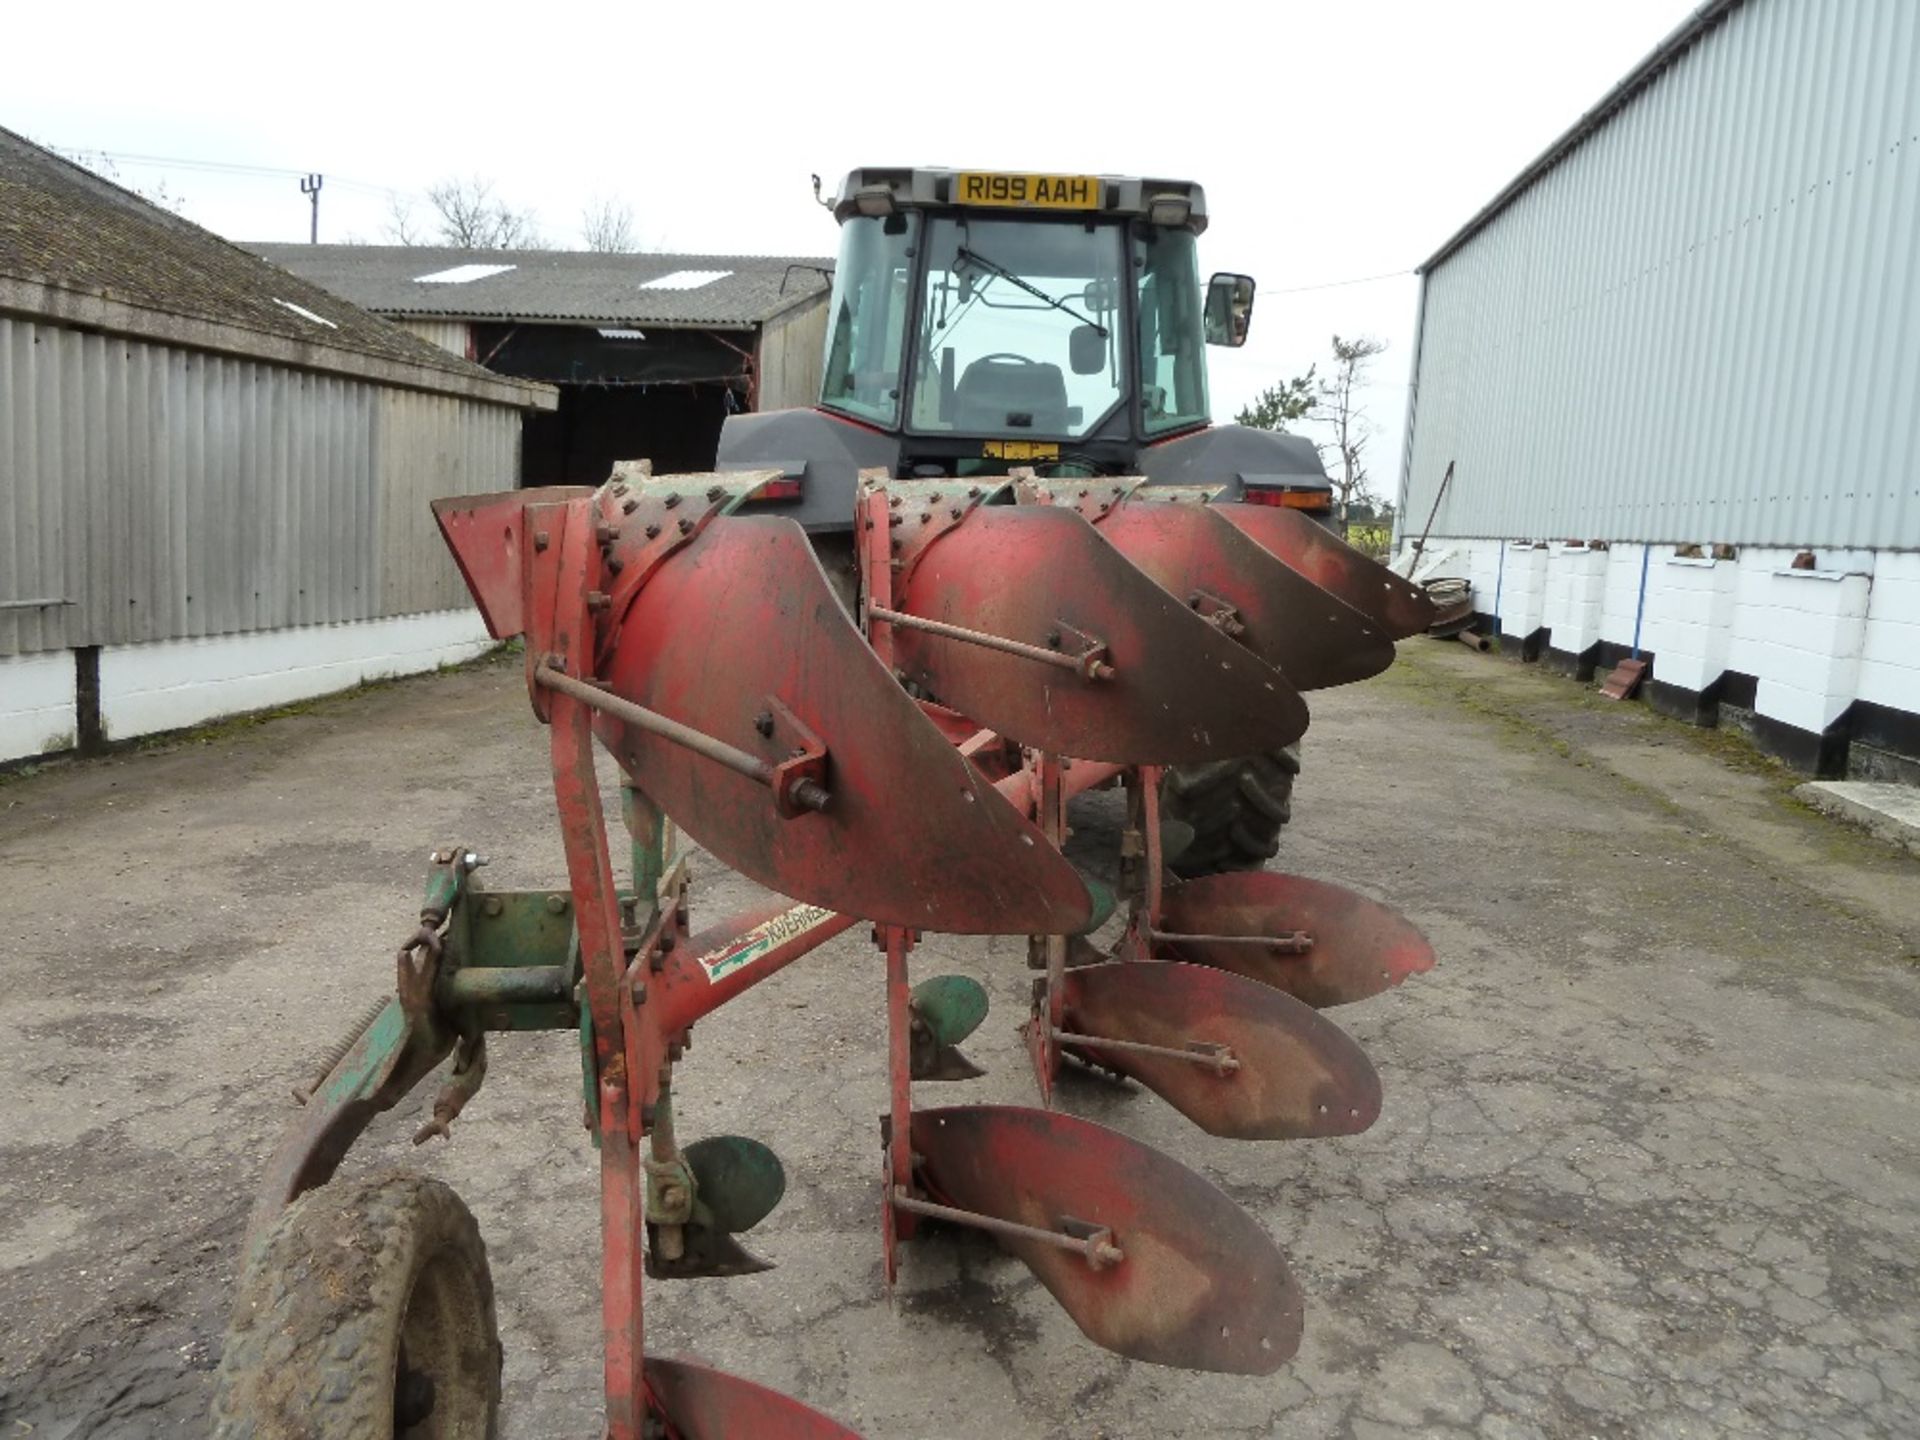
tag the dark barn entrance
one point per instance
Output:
(625, 394)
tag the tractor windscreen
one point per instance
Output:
(1020, 329)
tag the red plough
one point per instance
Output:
(908, 768)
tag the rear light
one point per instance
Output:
(1291, 499)
(776, 490)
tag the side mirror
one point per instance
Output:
(1229, 309)
(1086, 350)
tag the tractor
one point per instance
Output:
(981, 322)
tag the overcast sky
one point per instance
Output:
(1337, 141)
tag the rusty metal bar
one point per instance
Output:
(1217, 1058)
(807, 794)
(1098, 1248)
(1292, 942)
(1080, 664)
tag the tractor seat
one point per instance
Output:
(996, 394)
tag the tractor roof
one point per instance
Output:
(880, 190)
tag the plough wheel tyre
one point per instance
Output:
(1236, 808)
(349, 1280)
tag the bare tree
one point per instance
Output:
(403, 226)
(1341, 410)
(607, 225)
(465, 214)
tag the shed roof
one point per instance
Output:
(722, 292)
(77, 249)
(1703, 18)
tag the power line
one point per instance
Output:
(1340, 284)
(213, 167)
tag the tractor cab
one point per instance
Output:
(980, 321)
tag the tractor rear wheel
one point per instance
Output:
(366, 1310)
(1235, 808)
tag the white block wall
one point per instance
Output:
(1799, 632)
(175, 683)
(1523, 601)
(1814, 640)
(1890, 642)
(1576, 582)
(1620, 595)
(1689, 619)
(36, 705)
(145, 689)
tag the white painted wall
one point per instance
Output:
(1815, 640)
(1689, 620)
(36, 704)
(171, 684)
(1575, 584)
(1890, 644)
(175, 683)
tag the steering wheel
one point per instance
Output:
(1005, 355)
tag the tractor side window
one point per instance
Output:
(1173, 367)
(867, 317)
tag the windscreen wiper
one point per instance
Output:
(964, 256)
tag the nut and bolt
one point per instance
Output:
(540, 540)
(652, 531)
(716, 492)
(629, 505)
(598, 600)
(763, 722)
(556, 904)
(686, 526)
(673, 499)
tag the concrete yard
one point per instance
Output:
(1648, 1166)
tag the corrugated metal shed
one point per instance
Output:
(1697, 317)
(194, 443)
(165, 493)
(584, 287)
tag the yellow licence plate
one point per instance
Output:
(1046, 192)
(1021, 450)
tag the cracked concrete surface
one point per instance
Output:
(1647, 1165)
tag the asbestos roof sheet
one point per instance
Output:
(64, 228)
(560, 286)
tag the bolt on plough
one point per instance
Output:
(907, 768)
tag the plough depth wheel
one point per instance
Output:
(365, 1310)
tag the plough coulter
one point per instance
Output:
(1015, 639)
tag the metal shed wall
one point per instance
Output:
(1703, 323)
(170, 493)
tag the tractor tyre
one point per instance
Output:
(1235, 808)
(366, 1310)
